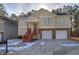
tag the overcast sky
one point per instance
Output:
(17, 8)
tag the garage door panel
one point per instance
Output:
(61, 34)
(46, 34)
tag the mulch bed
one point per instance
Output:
(75, 38)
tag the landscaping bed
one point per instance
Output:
(75, 38)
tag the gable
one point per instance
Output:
(42, 12)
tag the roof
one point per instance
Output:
(42, 9)
(62, 14)
(20, 16)
(8, 20)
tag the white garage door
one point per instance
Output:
(0, 37)
(46, 34)
(61, 34)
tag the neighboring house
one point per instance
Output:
(8, 28)
(22, 25)
(50, 26)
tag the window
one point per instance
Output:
(61, 21)
(50, 21)
(46, 20)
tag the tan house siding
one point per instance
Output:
(55, 19)
(62, 22)
(22, 26)
(44, 24)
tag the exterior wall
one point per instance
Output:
(22, 26)
(1, 25)
(10, 31)
(56, 23)
(65, 21)
(55, 19)
(43, 24)
(1, 28)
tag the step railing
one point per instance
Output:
(29, 35)
(26, 35)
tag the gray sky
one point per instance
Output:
(17, 8)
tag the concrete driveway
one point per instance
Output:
(50, 47)
(66, 47)
(41, 47)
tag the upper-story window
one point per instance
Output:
(61, 21)
(47, 20)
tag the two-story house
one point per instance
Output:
(50, 25)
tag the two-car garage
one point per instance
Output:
(59, 34)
